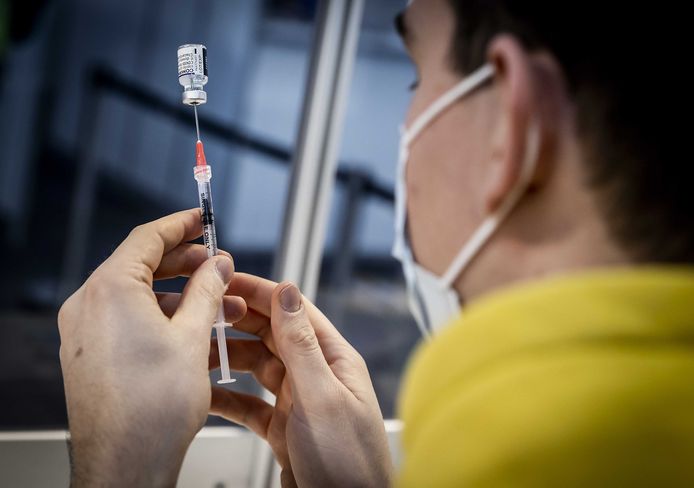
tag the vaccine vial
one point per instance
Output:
(192, 73)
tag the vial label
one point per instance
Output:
(192, 60)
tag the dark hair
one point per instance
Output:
(622, 70)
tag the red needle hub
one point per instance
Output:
(200, 155)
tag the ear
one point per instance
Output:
(518, 86)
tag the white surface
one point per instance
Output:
(219, 457)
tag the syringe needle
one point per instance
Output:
(197, 126)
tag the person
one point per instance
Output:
(539, 188)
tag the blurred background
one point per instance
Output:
(96, 141)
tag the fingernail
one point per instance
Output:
(225, 269)
(290, 298)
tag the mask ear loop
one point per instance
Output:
(465, 86)
(400, 248)
(471, 82)
(492, 223)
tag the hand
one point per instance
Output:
(134, 363)
(326, 427)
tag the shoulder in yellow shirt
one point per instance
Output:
(585, 380)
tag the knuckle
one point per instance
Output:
(65, 313)
(99, 286)
(302, 337)
(164, 226)
(353, 358)
(94, 285)
(63, 322)
(63, 357)
(139, 270)
(360, 362)
(68, 314)
(138, 230)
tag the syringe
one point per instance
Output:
(192, 75)
(203, 175)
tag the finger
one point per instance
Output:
(182, 260)
(202, 296)
(251, 356)
(278, 427)
(287, 479)
(298, 346)
(258, 325)
(255, 290)
(147, 243)
(234, 307)
(243, 409)
(345, 362)
(258, 293)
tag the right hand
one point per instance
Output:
(326, 428)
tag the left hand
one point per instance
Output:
(325, 428)
(135, 364)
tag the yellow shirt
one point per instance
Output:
(581, 381)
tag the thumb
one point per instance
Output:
(297, 343)
(203, 294)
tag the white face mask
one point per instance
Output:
(432, 299)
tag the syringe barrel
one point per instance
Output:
(203, 175)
